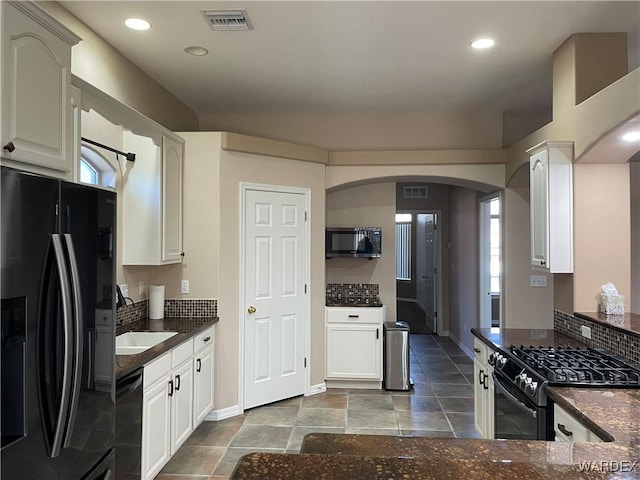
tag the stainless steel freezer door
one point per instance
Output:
(396, 356)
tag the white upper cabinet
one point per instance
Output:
(172, 153)
(37, 127)
(551, 190)
(152, 201)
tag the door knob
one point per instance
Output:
(251, 309)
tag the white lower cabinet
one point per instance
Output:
(156, 427)
(483, 391)
(568, 429)
(182, 405)
(203, 375)
(202, 385)
(354, 343)
(177, 396)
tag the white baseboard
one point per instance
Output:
(444, 333)
(315, 389)
(467, 351)
(215, 415)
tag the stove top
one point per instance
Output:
(579, 366)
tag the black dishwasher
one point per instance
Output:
(128, 442)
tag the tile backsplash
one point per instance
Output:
(624, 344)
(173, 307)
(352, 293)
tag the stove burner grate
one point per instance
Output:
(579, 365)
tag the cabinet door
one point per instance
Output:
(156, 427)
(172, 153)
(489, 430)
(539, 184)
(354, 351)
(479, 407)
(182, 405)
(202, 386)
(36, 113)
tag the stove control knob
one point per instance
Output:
(503, 361)
(492, 359)
(531, 388)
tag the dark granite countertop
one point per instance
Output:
(629, 322)
(186, 326)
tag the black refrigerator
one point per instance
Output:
(58, 326)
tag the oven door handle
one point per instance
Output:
(501, 389)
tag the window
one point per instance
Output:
(403, 246)
(494, 244)
(88, 174)
(95, 169)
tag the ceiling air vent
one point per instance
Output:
(416, 191)
(236, 19)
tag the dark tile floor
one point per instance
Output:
(440, 405)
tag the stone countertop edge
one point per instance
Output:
(282, 466)
(186, 326)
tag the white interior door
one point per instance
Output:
(275, 273)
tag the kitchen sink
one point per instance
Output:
(131, 343)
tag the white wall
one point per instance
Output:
(366, 206)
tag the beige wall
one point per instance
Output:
(366, 206)
(464, 271)
(524, 306)
(101, 65)
(212, 180)
(634, 182)
(602, 232)
(478, 129)
(240, 167)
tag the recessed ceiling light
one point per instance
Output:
(137, 24)
(197, 51)
(483, 43)
(631, 136)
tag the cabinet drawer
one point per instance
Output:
(480, 351)
(567, 428)
(157, 369)
(181, 353)
(354, 315)
(204, 339)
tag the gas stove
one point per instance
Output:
(579, 366)
(530, 369)
(522, 408)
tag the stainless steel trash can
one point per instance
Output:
(396, 356)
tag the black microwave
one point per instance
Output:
(363, 242)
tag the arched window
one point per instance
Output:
(95, 169)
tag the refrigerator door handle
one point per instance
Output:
(77, 338)
(65, 292)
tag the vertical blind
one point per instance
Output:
(403, 251)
